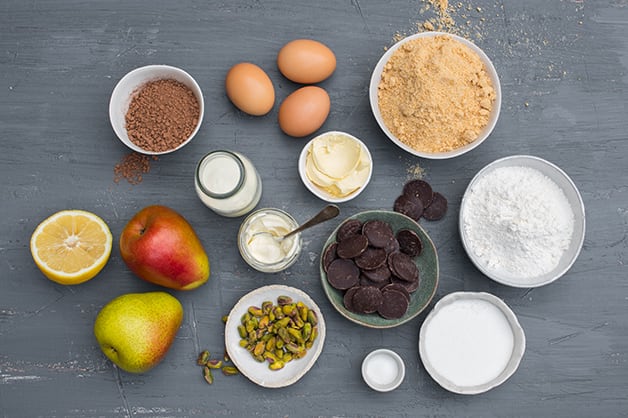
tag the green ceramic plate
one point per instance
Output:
(427, 262)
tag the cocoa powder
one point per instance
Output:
(132, 167)
(162, 115)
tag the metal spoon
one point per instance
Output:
(327, 213)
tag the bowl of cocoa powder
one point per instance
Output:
(436, 95)
(156, 109)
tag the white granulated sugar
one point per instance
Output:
(517, 222)
(469, 342)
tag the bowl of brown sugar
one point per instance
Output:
(436, 95)
(156, 109)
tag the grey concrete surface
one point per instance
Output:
(563, 67)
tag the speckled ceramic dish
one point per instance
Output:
(259, 372)
(427, 263)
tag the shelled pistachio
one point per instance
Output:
(278, 333)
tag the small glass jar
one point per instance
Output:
(228, 183)
(259, 243)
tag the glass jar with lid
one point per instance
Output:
(261, 244)
(228, 183)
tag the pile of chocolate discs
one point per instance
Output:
(374, 267)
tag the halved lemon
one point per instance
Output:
(71, 246)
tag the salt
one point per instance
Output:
(382, 369)
(469, 342)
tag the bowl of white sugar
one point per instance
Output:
(471, 342)
(522, 221)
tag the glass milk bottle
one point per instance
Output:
(228, 183)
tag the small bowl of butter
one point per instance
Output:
(335, 166)
(261, 244)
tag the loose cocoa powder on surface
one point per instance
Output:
(162, 115)
(435, 94)
(132, 167)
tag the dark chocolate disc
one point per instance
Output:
(437, 209)
(409, 205)
(380, 275)
(343, 274)
(420, 189)
(371, 258)
(379, 233)
(347, 299)
(365, 281)
(403, 266)
(329, 255)
(397, 286)
(392, 246)
(394, 304)
(367, 299)
(349, 228)
(352, 246)
(409, 242)
(410, 286)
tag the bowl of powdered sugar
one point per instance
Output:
(522, 221)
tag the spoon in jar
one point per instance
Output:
(327, 213)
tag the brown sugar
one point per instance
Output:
(435, 94)
(162, 115)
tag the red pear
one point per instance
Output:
(160, 246)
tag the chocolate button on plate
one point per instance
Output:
(409, 242)
(371, 259)
(343, 274)
(426, 263)
(403, 266)
(378, 233)
(349, 228)
(394, 304)
(352, 246)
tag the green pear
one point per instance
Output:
(136, 330)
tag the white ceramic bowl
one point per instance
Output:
(468, 344)
(572, 194)
(259, 372)
(319, 192)
(123, 93)
(377, 75)
(383, 370)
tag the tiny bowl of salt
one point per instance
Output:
(471, 342)
(156, 109)
(435, 114)
(383, 370)
(522, 221)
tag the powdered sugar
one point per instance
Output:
(517, 222)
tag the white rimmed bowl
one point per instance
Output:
(376, 78)
(129, 84)
(255, 371)
(374, 374)
(319, 192)
(572, 194)
(435, 369)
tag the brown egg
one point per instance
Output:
(304, 111)
(250, 89)
(306, 61)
